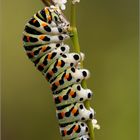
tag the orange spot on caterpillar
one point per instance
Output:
(34, 20)
(66, 76)
(60, 98)
(48, 14)
(28, 38)
(44, 24)
(62, 114)
(74, 111)
(65, 132)
(71, 93)
(76, 128)
(46, 11)
(50, 72)
(57, 83)
(42, 37)
(49, 56)
(59, 63)
(43, 48)
(49, 18)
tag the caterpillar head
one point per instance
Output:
(59, 18)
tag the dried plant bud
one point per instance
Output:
(95, 125)
(60, 3)
(74, 1)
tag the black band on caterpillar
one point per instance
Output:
(43, 38)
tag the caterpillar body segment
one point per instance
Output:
(64, 62)
(36, 51)
(72, 94)
(73, 112)
(44, 62)
(43, 39)
(68, 77)
(74, 130)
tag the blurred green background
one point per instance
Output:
(108, 34)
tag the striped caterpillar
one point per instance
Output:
(43, 39)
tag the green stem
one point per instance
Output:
(76, 45)
(46, 2)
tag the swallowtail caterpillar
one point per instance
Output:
(43, 39)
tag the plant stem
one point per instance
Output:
(76, 45)
(46, 2)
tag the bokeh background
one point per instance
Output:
(108, 34)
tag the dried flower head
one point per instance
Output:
(74, 1)
(60, 3)
(95, 125)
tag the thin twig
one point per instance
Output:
(77, 49)
(46, 2)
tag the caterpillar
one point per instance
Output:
(44, 42)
